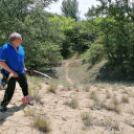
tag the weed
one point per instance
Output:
(52, 89)
(108, 95)
(29, 113)
(129, 122)
(42, 124)
(115, 101)
(116, 125)
(113, 105)
(125, 99)
(87, 119)
(39, 85)
(87, 88)
(74, 103)
(91, 106)
(66, 102)
(93, 96)
(37, 97)
(109, 124)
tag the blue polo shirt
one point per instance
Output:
(13, 57)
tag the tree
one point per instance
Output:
(70, 9)
(29, 19)
(117, 32)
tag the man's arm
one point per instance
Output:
(6, 67)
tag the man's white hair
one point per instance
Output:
(14, 36)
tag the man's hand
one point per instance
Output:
(15, 75)
(6, 67)
(25, 69)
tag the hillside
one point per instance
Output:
(68, 106)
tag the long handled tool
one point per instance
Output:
(34, 72)
(5, 81)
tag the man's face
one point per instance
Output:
(17, 41)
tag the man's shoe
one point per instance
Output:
(31, 103)
(3, 109)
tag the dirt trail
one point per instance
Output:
(67, 72)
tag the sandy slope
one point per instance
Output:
(64, 119)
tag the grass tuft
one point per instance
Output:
(125, 99)
(74, 103)
(42, 124)
(52, 89)
(87, 119)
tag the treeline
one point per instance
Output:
(49, 38)
(116, 33)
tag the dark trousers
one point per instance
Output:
(22, 80)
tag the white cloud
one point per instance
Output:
(83, 6)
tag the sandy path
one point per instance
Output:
(67, 72)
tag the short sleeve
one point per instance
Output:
(3, 54)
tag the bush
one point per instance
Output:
(94, 54)
(40, 53)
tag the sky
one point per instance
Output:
(83, 7)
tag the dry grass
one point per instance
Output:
(93, 96)
(87, 88)
(29, 113)
(52, 89)
(125, 99)
(87, 119)
(109, 124)
(37, 97)
(42, 124)
(108, 95)
(74, 103)
(91, 106)
(39, 85)
(129, 122)
(115, 87)
(115, 101)
(66, 102)
(35, 80)
(113, 105)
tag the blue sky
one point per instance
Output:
(83, 7)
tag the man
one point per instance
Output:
(12, 61)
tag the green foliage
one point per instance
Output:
(78, 38)
(94, 54)
(31, 22)
(70, 9)
(116, 32)
(45, 53)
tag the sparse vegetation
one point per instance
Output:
(93, 96)
(37, 97)
(52, 89)
(129, 121)
(74, 103)
(42, 124)
(87, 88)
(109, 124)
(125, 99)
(113, 105)
(31, 112)
(67, 102)
(108, 95)
(87, 119)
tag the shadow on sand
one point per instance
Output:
(10, 112)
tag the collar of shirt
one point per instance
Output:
(16, 49)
